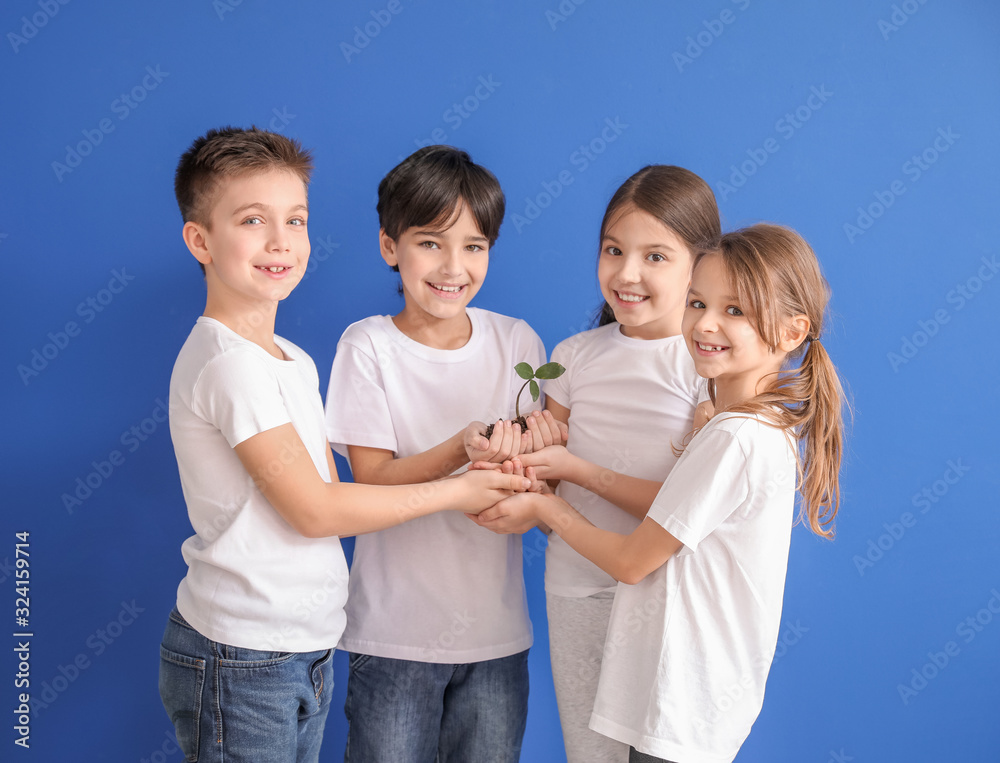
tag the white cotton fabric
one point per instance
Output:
(630, 400)
(690, 646)
(437, 588)
(252, 580)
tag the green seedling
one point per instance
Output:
(524, 370)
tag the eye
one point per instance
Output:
(297, 221)
(614, 251)
(733, 310)
(476, 248)
(656, 257)
(696, 304)
(429, 244)
(254, 220)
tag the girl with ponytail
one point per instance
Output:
(697, 609)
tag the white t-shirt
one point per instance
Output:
(437, 588)
(629, 400)
(689, 647)
(252, 580)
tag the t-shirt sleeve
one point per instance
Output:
(559, 389)
(357, 410)
(707, 484)
(239, 395)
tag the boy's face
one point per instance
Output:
(257, 247)
(441, 270)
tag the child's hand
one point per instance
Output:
(703, 413)
(502, 446)
(484, 488)
(550, 463)
(544, 429)
(516, 515)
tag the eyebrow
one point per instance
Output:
(644, 246)
(259, 205)
(725, 298)
(429, 232)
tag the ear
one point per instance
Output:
(197, 241)
(794, 333)
(387, 246)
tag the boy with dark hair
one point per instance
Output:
(245, 669)
(438, 626)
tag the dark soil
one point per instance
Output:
(519, 420)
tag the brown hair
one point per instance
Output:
(673, 195)
(775, 275)
(427, 187)
(230, 152)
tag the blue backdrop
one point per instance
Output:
(868, 126)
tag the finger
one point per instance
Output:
(537, 437)
(552, 430)
(484, 465)
(526, 443)
(507, 467)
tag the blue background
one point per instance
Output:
(907, 245)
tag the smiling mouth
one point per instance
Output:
(447, 290)
(631, 299)
(273, 268)
(711, 347)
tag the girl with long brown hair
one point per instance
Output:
(698, 605)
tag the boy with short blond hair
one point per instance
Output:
(245, 671)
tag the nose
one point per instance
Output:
(279, 240)
(706, 323)
(628, 270)
(451, 264)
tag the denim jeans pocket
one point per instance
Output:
(182, 679)
(355, 660)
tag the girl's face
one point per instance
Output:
(644, 271)
(722, 341)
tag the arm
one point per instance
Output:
(631, 494)
(284, 472)
(627, 558)
(377, 466)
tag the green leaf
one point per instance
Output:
(549, 371)
(533, 388)
(524, 371)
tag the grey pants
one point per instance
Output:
(577, 630)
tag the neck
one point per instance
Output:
(447, 334)
(253, 322)
(666, 326)
(730, 392)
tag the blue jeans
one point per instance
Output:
(634, 756)
(400, 711)
(243, 705)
